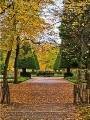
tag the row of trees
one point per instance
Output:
(75, 34)
(45, 57)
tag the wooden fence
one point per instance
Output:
(81, 93)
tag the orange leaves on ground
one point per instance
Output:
(48, 100)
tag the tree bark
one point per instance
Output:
(80, 60)
(15, 63)
(24, 70)
(81, 54)
(5, 86)
(88, 70)
(68, 69)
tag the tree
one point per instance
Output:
(20, 20)
(1, 63)
(37, 67)
(74, 31)
(57, 63)
(27, 59)
(46, 56)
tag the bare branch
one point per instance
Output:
(34, 42)
(6, 8)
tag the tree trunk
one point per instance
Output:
(5, 86)
(88, 70)
(81, 50)
(24, 70)
(32, 70)
(79, 70)
(15, 63)
(80, 61)
(68, 69)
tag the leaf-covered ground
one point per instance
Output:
(51, 99)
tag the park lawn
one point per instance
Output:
(20, 79)
(73, 79)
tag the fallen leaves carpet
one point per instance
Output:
(37, 101)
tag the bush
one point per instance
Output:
(26, 74)
(22, 79)
(45, 73)
(74, 79)
(68, 74)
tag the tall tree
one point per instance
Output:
(27, 59)
(20, 20)
(1, 63)
(74, 31)
(57, 63)
(37, 67)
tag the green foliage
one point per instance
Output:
(27, 63)
(73, 79)
(1, 63)
(58, 75)
(68, 62)
(20, 79)
(37, 67)
(45, 73)
(74, 32)
(57, 63)
(28, 59)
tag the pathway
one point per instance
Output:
(41, 98)
(47, 80)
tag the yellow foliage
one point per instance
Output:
(46, 56)
(20, 19)
(76, 6)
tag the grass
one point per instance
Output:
(58, 75)
(20, 79)
(73, 79)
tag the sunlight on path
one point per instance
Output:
(47, 80)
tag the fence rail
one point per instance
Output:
(81, 93)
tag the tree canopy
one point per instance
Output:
(46, 56)
(20, 21)
(75, 32)
(27, 58)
